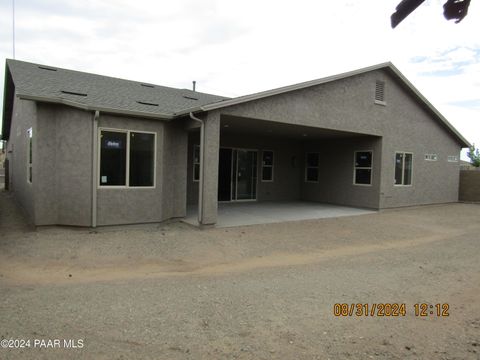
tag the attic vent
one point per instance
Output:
(147, 103)
(147, 85)
(46, 68)
(73, 93)
(189, 97)
(380, 92)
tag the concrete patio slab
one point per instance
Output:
(252, 213)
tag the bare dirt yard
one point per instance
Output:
(170, 291)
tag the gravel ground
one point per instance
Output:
(171, 291)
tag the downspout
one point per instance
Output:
(202, 152)
(94, 168)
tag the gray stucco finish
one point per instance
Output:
(402, 124)
(338, 118)
(141, 205)
(61, 191)
(24, 117)
(64, 166)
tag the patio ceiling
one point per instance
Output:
(241, 125)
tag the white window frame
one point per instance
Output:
(403, 169)
(195, 146)
(270, 166)
(312, 167)
(362, 167)
(29, 155)
(452, 158)
(127, 170)
(431, 157)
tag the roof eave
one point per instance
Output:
(77, 105)
(289, 88)
(386, 65)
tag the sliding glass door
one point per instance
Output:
(237, 178)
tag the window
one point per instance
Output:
(312, 163)
(196, 162)
(142, 153)
(127, 158)
(380, 92)
(452, 158)
(403, 168)
(363, 168)
(267, 165)
(29, 154)
(431, 157)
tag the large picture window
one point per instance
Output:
(267, 165)
(127, 158)
(363, 168)
(403, 168)
(312, 163)
(142, 153)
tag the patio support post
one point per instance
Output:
(209, 164)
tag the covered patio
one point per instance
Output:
(253, 213)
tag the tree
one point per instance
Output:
(474, 155)
(452, 10)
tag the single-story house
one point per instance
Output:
(89, 150)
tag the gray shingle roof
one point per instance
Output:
(103, 92)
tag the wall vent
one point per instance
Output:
(147, 103)
(73, 93)
(380, 92)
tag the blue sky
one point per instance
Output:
(238, 47)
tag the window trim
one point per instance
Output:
(312, 167)
(362, 167)
(195, 163)
(431, 157)
(127, 170)
(270, 166)
(452, 158)
(403, 169)
(30, 155)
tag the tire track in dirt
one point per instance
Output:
(37, 272)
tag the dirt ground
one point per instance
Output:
(170, 291)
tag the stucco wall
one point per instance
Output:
(174, 170)
(132, 205)
(286, 182)
(24, 117)
(64, 149)
(336, 180)
(336, 169)
(404, 125)
(410, 128)
(63, 182)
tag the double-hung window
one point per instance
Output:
(312, 164)
(362, 172)
(267, 165)
(127, 158)
(403, 168)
